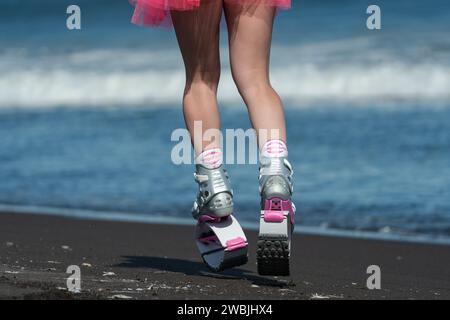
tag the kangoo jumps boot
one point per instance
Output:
(277, 214)
(219, 236)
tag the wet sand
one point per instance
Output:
(147, 261)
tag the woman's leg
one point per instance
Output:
(250, 35)
(198, 37)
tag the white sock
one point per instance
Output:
(210, 158)
(274, 149)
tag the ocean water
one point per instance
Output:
(86, 116)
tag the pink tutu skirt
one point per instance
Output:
(156, 12)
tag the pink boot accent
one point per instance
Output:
(278, 204)
(206, 218)
(273, 216)
(236, 244)
(209, 240)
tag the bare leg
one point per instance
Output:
(198, 37)
(250, 35)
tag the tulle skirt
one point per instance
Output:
(157, 12)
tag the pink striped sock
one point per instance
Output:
(210, 158)
(274, 149)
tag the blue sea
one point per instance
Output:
(86, 116)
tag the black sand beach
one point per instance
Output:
(143, 261)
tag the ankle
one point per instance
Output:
(274, 148)
(210, 158)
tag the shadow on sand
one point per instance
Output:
(191, 268)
